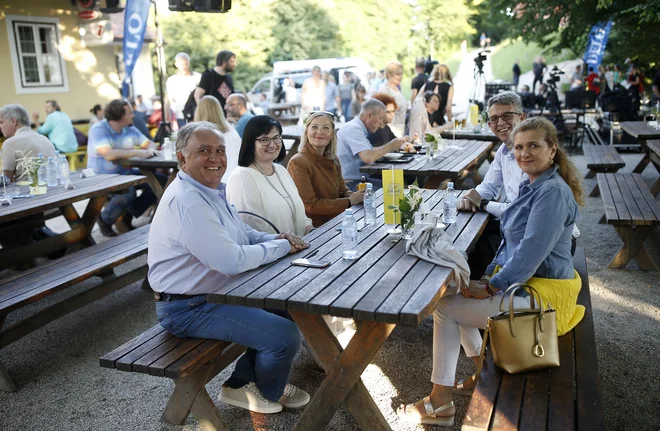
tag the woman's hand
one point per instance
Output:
(476, 289)
(356, 198)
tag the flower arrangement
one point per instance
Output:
(435, 140)
(30, 167)
(408, 205)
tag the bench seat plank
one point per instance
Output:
(109, 360)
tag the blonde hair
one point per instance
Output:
(330, 151)
(441, 73)
(566, 168)
(209, 109)
(391, 67)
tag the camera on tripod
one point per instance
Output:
(429, 65)
(554, 76)
(480, 58)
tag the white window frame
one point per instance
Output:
(22, 87)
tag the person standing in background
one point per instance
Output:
(97, 115)
(539, 68)
(346, 96)
(516, 74)
(441, 84)
(419, 80)
(180, 85)
(394, 74)
(332, 100)
(217, 82)
(57, 127)
(313, 93)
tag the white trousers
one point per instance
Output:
(456, 322)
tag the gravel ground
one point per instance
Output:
(62, 387)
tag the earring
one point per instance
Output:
(552, 161)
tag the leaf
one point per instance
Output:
(404, 205)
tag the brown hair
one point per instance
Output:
(386, 99)
(566, 168)
(330, 151)
(209, 109)
(114, 110)
(441, 73)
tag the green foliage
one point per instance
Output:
(261, 32)
(507, 52)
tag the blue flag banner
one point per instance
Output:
(135, 24)
(597, 41)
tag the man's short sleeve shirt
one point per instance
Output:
(102, 135)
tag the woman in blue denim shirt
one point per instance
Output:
(536, 231)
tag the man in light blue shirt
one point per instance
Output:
(57, 127)
(197, 243)
(237, 108)
(111, 140)
(354, 149)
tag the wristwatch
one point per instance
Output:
(482, 204)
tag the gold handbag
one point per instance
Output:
(522, 340)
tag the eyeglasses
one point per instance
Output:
(507, 116)
(265, 140)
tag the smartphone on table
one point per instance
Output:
(311, 263)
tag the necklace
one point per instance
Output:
(288, 199)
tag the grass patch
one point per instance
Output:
(504, 55)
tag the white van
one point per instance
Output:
(271, 84)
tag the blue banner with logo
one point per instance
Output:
(597, 41)
(135, 23)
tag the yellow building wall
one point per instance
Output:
(91, 71)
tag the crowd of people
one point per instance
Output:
(234, 207)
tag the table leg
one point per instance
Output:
(595, 192)
(645, 160)
(155, 185)
(655, 188)
(633, 248)
(343, 371)
(433, 183)
(590, 174)
(73, 219)
(6, 382)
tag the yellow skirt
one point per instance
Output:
(562, 295)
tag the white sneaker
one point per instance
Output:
(294, 397)
(250, 398)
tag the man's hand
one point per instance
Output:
(473, 196)
(356, 198)
(35, 117)
(296, 242)
(398, 143)
(476, 289)
(466, 205)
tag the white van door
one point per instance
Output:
(263, 86)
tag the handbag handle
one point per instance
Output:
(510, 291)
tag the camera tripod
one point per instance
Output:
(551, 101)
(478, 83)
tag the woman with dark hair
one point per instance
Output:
(261, 186)
(97, 116)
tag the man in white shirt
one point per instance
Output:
(180, 85)
(504, 114)
(197, 243)
(21, 140)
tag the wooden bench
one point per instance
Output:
(190, 362)
(34, 284)
(633, 211)
(77, 159)
(601, 159)
(654, 155)
(563, 398)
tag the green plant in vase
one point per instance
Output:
(408, 205)
(30, 167)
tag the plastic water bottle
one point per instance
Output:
(64, 170)
(349, 235)
(369, 205)
(168, 153)
(58, 160)
(51, 172)
(42, 173)
(449, 205)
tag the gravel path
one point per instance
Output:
(62, 387)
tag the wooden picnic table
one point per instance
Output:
(485, 135)
(381, 288)
(148, 168)
(641, 131)
(20, 219)
(654, 156)
(459, 158)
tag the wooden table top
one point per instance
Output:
(450, 163)
(485, 135)
(56, 197)
(150, 163)
(627, 200)
(640, 130)
(383, 284)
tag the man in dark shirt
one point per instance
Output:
(217, 82)
(516, 74)
(539, 68)
(418, 81)
(656, 87)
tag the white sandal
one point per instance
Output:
(410, 414)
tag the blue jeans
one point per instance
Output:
(272, 341)
(346, 109)
(130, 202)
